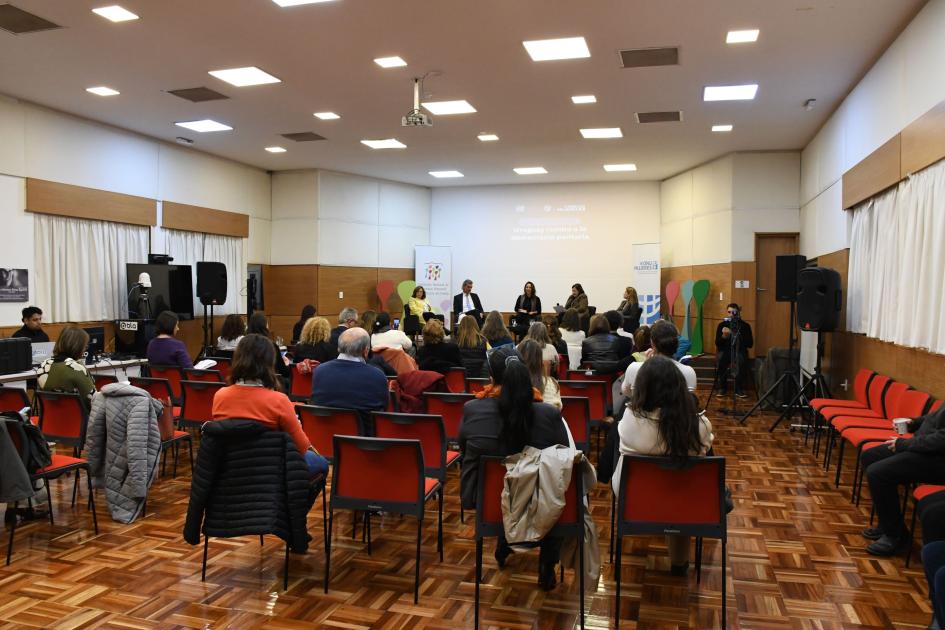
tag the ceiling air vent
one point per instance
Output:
(303, 136)
(198, 94)
(649, 57)
(658, 117)
(18, 21)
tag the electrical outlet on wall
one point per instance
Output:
(341, 295)
(721, 297)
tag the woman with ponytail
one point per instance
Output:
(502, 420)
(663, 419)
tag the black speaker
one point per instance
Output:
(211, 283)
(785, 280)
(818, 299)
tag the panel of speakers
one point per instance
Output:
(211, 283)
(819, 299)
(786, 270)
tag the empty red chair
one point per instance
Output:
(456, 380)
(193, 374)
(63, 419)
(658, 496)
(875, 409)
(13, 398)
(474, 385)
(300, 383)
(596, 392)
(582, 375)
(861, 399)
(576, 411)
(101, 379)
(159, 388)
(173, 375)
(197, 406)
(376, 474)
(321, 424)
(450, 407)
(222, 366)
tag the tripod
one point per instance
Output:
(789, 375)
(734, 367)
(816, 387)
(208, 331)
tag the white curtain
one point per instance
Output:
(188, 248)
(80, 267)
(896, 285)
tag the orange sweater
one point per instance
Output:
(266, 406)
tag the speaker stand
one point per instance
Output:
(208, 345)
(790, 375)
(816, 387)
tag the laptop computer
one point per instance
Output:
(42, 351)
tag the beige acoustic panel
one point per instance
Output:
(181, 216)
(45, 197)
(287, 288)
(923, 141)
(875, 173)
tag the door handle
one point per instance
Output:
(760, 289)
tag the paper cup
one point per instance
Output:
(901, 425)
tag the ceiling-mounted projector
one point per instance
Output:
(415, 117)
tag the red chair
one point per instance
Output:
(576, 411)
(474, 385)
(450, 407)
(364, 480)
(60, 465)
(456, 380)
(582, 375)
(197, 406)
(877, 409)
(101, 380)
(596, 392)
(212, 376)
(936, 405)
(321, 424)
(861, 384)
(159, 388)
(921, 491)
(13, 398)
(563, 367)
(63, 419)
(173, 375)
(222, 366)
(300, 384)
(489, 522)
(658, 496)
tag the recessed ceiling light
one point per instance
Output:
(552, 49)
(488, 137)
(102, 91)
(295, 3)
(742, 37)
(604, 132)
(390, 143)
(616, 168)
(446, 108)
(445, 174)
(115, 13)
(530, 170)
(275, 149)
(204, 126)
(327, 116)
(730, 92)
(584, 100)
(722, 128)
(243, 77)
(390, 62)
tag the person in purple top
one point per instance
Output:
(165, 349)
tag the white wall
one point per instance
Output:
(902, 85)
(43, 144)
(479, 223)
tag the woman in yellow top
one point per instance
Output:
(418, 305)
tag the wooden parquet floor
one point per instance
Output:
(796, 561)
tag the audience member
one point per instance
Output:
(315, 342)
(641, 343)
(600, 349)
(630, 310)
(467, 303)
(259, 325)
(346, 319)
(65, 371)
(418, 305)
(367, 321)
(504, 423)
(578, 301)
(538, 333)
(573, 337)
(32, 327)
(527, 310)
(554, 333)
(533, 357)
(349, 382)
(253, 394)
(308, 312)
(733, 324)
(386, 337)
(663, 419)
(165, 349)
(436, 354)
(472, 346)
(624, 343)
(902, 461)
(495, 332)
(233, 331)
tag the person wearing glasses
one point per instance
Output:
(731, 328)
(348, 318)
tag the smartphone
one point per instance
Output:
(396, 323)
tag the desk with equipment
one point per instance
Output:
(122, 370)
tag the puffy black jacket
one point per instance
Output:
(248, 479)
(601, 351)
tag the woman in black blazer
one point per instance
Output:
(527, 310)
(631, 310)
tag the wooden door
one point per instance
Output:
(772, 318)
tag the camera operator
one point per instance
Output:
(733, 332)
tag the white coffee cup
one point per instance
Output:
(901, 425)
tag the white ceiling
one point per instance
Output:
(323, 53)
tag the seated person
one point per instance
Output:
(65, 370)
(495, 332)
(578, 301)
(315, 342)
(346, 319)
(503, 423)
(467, 303)
(308, 312)
(538, 333)
(436, 354)
(259, 325)
(641, 343)
(367, 321)
(630, 311)
(349, 382)
(902, 461)
(554, 333)
(600, 349)
(534, 360)
(417, 305)
(233, 331)
(472, 346)
(166, 349)
(253, 393)
(573, 336)
(624, 343)
(386, 337)
(32, 327)
(527, 310)
(663, 420)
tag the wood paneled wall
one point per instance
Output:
(180, 216)
(64, 200)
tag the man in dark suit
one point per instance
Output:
(348, 318)
(467, 303)
(733, 324)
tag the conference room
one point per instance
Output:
(325, 313)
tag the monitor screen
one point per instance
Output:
(172, 289)
(96, 341)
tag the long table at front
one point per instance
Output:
(123, 370)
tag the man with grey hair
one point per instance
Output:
(349, 382)
(467, 303)
(348, 318)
